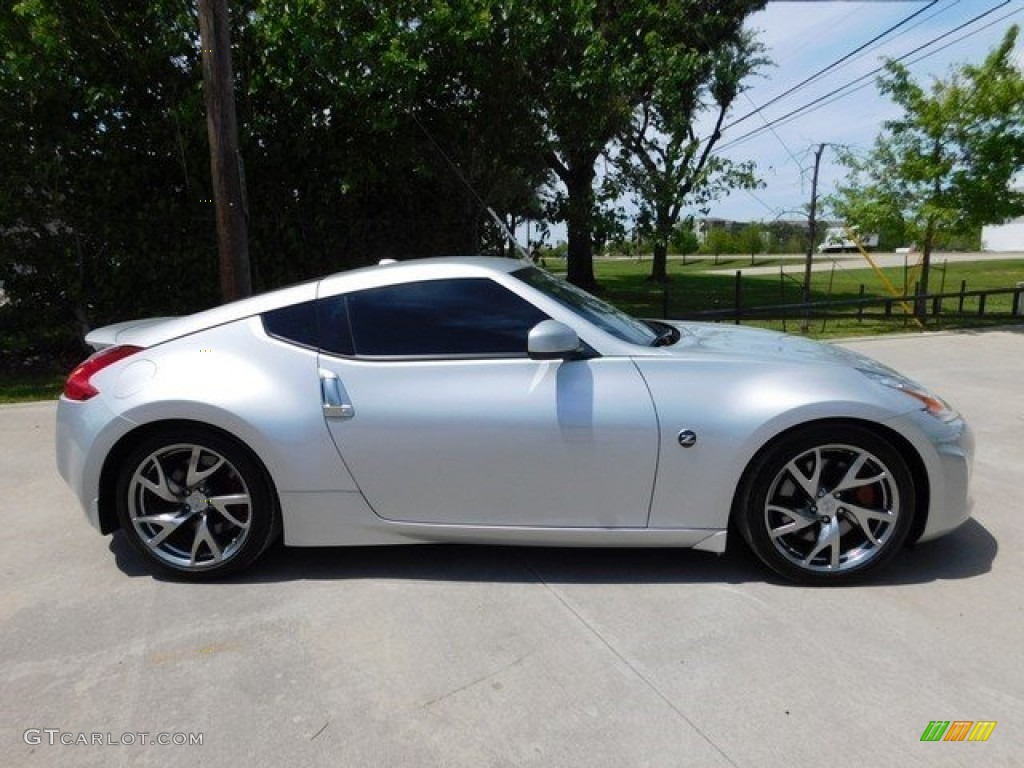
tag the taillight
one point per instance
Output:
(79, 385)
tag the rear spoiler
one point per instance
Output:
(111, 335)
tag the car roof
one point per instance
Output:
(158, 330)
(435, 268)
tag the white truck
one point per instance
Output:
(839, 240)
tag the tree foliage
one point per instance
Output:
(367, 129)
(751, 240)
(101, 153)
(665, 163)
(944, 166)
(594, 63)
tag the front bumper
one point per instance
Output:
(947, 451)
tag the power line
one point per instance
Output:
(902, 32)
(776, 135)
(862, 86)
(502, 226)
(833, 97)
(759, 200)
(972, 33)
(846, 60)
(833, 65)
(828, 97)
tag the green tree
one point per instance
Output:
(944, 166)
(719, 241)
(102, 158)
(385, 129)
(366, 128)
(348, 113)
(751, 240)
(592, 63)
(684, 239)
(664, 162)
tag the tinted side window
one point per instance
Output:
(296, 324)
(470, 316)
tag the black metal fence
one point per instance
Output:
(962, 304)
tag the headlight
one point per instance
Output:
(935, 405)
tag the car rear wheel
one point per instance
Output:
(827, 505)
(195, 503)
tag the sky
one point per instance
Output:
(805, 37)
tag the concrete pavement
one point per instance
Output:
(474, 657)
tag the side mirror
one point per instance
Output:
(552, 340)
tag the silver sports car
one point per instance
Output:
(485, 401)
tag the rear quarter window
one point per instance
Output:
(296, 324)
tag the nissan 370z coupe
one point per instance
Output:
(484, 401)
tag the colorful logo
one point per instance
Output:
(958, 730)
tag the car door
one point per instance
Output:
(442, 418)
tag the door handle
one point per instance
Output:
(334, 397)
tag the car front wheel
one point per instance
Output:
(195, 504)
(828, 504)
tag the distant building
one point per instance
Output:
(702, 227)
(777, 231)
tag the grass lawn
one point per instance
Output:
(34, 364)
(25, 387)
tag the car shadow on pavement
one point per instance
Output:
(463, 562)
(967, 552)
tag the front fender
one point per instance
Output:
(735, 408)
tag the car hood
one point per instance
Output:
(756, 344)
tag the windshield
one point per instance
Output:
(603, 315)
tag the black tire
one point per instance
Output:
(828, 504)
(196, 504)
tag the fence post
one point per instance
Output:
(739, 276)
(860, 306)
(963, 289)
(782, 295)
(1018, 304)
(981, 304)
(828, 296)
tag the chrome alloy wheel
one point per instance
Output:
(189, 506)
(832, 508)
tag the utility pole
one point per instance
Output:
(921, 304)
(811, 224)
(225, 170)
